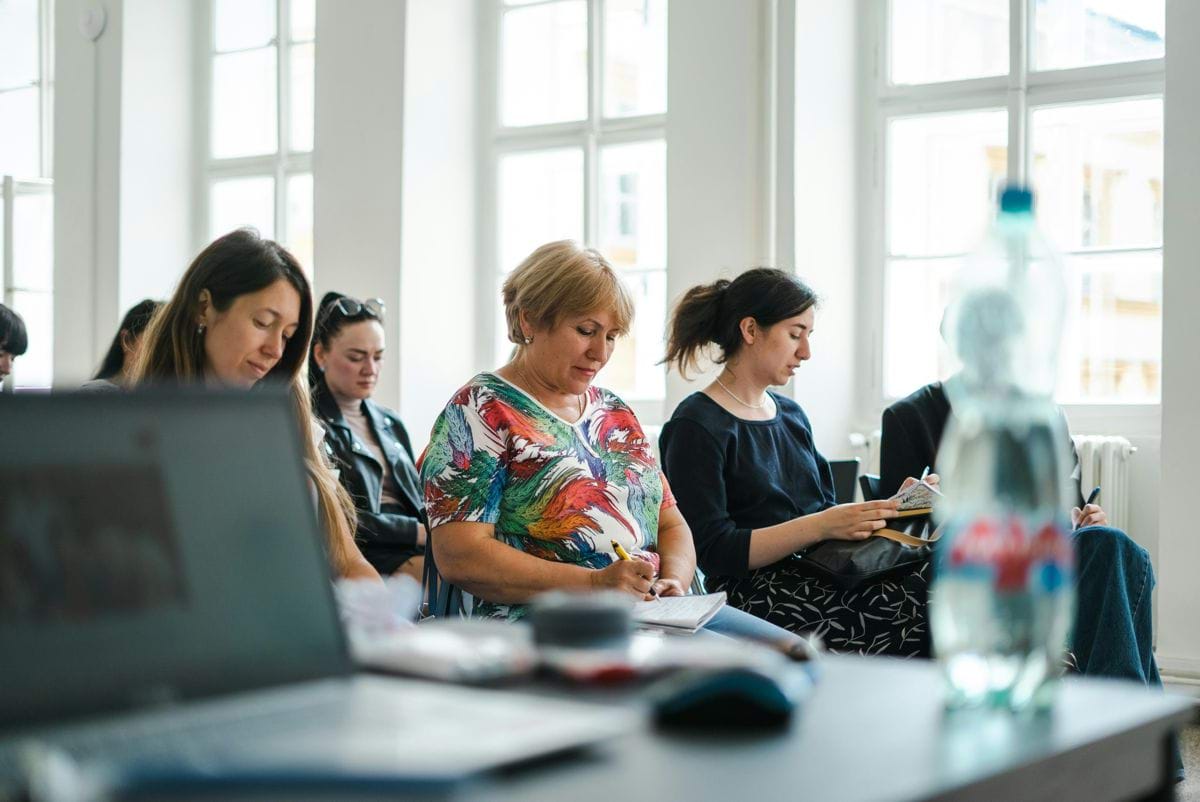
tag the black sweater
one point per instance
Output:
(912, 433)
(731, 476)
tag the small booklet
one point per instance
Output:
(687, 613)
(918, 499)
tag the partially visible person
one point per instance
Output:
(13, 340)
(369, 444)
(242, 314)
(751, 483)
(532, 472)
(1113, 623)
(122, 352)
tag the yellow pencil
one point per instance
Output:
(624, 555)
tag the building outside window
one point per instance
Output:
(578, 151)
(26, 190)
(257, 152)
(1067, 96)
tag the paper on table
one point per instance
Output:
(679, 612)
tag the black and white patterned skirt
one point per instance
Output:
(886, 617)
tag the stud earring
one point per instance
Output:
(200, 329)
(528, 340)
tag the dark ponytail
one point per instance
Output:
(712, 313)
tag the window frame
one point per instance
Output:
(12, 186)
(590, 135)
(1019, 92)
(280, 165)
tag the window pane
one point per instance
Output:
(1080, 33)
(35, 368)
(237, 202)
(635, 57)
(1098, 172)
(544, 63)
(944, 171)
(915, 292)
(1112, 347)
(633, 371)
(243, 118)
(301, 99)
(242, 24)
(540, 200)
(947, 40)
(19, 132)
(304, 20)
(299, 239)
(18, 43)
(633, 204)
(33, 242)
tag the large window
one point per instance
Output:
(1065, 96)
(258, 153)
(579, 152)
(26, 198)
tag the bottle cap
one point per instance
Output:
(1015, 200)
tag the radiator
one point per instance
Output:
(1107, 461)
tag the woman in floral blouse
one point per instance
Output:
(532, 472)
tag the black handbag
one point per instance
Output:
(849, 564)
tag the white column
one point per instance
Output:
(1179, 544)
(357, 161)
(716, 148)
(87, 156)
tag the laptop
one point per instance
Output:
(167, 614)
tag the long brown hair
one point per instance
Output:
(712, 313)
(239, 263)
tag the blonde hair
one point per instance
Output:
(561, 279)
(238, 263)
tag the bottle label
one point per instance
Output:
(1013, 554)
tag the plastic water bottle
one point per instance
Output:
(1003, 594)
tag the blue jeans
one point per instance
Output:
(1113, 619)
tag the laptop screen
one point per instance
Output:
(156, 547)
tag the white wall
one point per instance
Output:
(157, 150)
(827, 208)
(716, 149)
(87, 141)
(438, 259)
(1178, 542)
(358, 164)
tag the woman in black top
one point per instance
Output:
(368, 443)
(751, 484)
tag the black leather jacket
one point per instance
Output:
(387, 539)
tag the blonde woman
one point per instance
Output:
(533, 475)
(243, 314)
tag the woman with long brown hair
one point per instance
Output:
(243, 314)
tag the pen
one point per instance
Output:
(1091, 498)
(924, 473)
(624, 555)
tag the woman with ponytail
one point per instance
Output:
(243, 314)
(750, 482)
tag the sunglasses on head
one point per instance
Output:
(350, 307)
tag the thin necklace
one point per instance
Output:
(525, 376)
(759, 405)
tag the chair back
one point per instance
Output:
(869, 483)
(845, 471)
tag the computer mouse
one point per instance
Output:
(729, 699)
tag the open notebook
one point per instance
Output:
(687, 613)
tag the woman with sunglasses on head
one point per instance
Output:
(241, 316)
(369, 444)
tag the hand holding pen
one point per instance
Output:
(1091, 514)
(623, 557)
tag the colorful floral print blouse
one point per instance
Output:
(553, 489)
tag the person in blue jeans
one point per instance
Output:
(1113, 633)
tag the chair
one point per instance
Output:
(845, 471)
(869, 483)
(443, 599)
